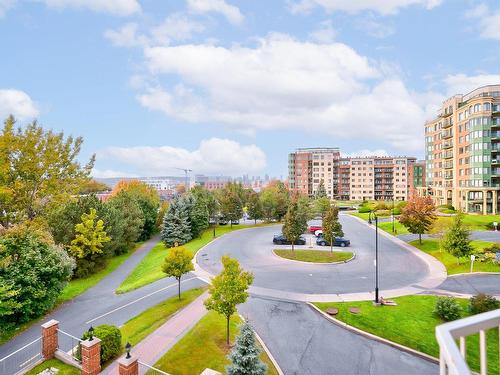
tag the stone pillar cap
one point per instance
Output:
(124, 361)
(89, 344)
(50, 323)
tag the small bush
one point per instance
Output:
(381, 206)
(490, 225)
(382, 213)
(447, 308)
(396, 211)
(364, 209)
(481, 303)
(111, 339)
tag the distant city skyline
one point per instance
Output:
(232, 87)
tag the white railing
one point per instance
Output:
(69, 345)
(150, 369)
(22, 359)
(452, 357)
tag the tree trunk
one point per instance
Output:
(420, 238)
(255, 221)
(331, 246)
(292, 246)
(227, 330)
(214, 230)
(179, 287)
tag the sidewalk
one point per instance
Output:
(154, 346)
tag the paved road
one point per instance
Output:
(303, 342)
(100, 305)
(252, 247)
(472, 284)
(487, 235)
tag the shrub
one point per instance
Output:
(382, 213)
(490, 225)
(447, 308)
(111, 339)
(364, 209)
(381, 206)
(396, 211)
(481, 303)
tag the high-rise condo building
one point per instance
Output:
(462, 152)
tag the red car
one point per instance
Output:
(314, 228)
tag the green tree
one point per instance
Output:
(231, 203)
(254, 206)
(418, 215)
(275, 199)
(321, 191)
(228, 289)
(8, 304)
(176, 226)
(322, 205)
(177, 263)
(294, 224)
(456, 240)
(245, 356)
(198, 214)
(331, 226)
(35, 268)
(90, 236)
(93, 186)
(39, 169)
(131, 217)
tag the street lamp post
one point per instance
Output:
(376, 253)
(392, 214)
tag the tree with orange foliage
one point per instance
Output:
(418, 215)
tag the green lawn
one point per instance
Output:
(149, 270)
(137, 328)
(412, 323)
(78, 286)
(386, 225)
(431, 246)
(63, 368)
(204, 346)
(314, 256)
(474, 222)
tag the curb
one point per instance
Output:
(266, 349)
(316, 263)
(375, 337)
(474, 273)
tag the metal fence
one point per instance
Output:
(22, 359)
(69, 345)
(144, 368)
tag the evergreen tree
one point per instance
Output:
(331, 226)
(245, 355)
(295, 223)
(456, 240)
(176, 225)
(321, 191)
(198, 214)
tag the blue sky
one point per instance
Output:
(230, 87)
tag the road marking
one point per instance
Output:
(137, 300)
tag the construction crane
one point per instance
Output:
(186, 171)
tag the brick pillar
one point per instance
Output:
(91, 357)
(49, 338)
(128, 366)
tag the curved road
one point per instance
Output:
(398, 268)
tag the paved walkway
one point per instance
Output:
(154, 346)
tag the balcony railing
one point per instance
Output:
(452, 358)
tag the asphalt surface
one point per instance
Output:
(472, 284)
(303, 342)
(100, 304)
(253, 248)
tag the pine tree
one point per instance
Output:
(198, 215)
(176, 225)
(321, 191)
(331, 226)
(456, 240)
(245, 355)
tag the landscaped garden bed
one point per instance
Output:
(315, 256)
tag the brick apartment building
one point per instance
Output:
(370, 178)
(462, 147)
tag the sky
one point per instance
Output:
(227, 87)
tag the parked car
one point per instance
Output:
(318, 233)
(342, 242)
(314, 228)
(235, 222)
(279, 239)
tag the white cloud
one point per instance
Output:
(5, 5)
(462, 84)
(115, 7)
(17, 103)
(176, 27)
(374, 28)
(231, 12)
(325, 33)
(109, 173)
(126, 36)
(214, 156)
(488, 21)
(283, 83)
(384, 7)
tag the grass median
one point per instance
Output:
(204, 346)
(63, 368)
(412, 323)
(314, 256)
(454, 265)
(149, 269)
(140, 326)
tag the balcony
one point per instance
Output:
(446, 113)
(495, 136)
(452, 356)
(447, 134)
(448, 154)
(448, 164)
(448, 176)
(495, 123)
(447, 145)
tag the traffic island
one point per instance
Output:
(315, 256)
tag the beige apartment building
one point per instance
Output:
(370, 178)
(462, 147)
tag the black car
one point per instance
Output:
(279, 239)
(342, 242)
